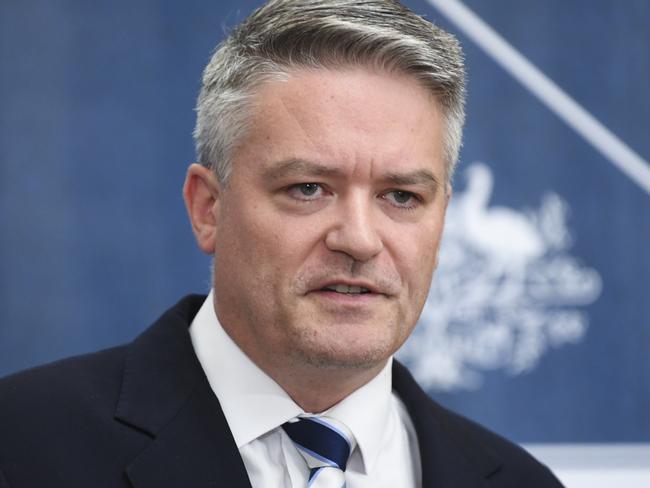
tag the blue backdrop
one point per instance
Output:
(96, 115)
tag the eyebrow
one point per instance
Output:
(302, 167)
(420, 177)
(295, 166)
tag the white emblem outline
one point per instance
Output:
(506, 290)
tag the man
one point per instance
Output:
(327, 134)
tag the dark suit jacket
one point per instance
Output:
(143, 415)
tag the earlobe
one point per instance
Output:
(201, 193)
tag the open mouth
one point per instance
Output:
(347, 290)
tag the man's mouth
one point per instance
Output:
(347, 289)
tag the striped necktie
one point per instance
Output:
(326, 445)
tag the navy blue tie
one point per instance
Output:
(326, 445)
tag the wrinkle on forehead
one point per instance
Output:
(274, 105)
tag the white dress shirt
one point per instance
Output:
(255, 407)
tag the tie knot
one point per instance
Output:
(322, 441)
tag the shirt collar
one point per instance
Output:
(239, 384)
(366, 412)
(242, 388)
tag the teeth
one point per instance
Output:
(353, 290)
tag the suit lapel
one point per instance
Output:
(166, 395)
(450, 455)
(195, 449)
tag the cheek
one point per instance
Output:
(238, 246)
(270, 246)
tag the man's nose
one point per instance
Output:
(354, 231)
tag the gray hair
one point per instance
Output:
(288, 34)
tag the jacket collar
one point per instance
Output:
(452, 456)
(166, 395)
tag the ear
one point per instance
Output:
(201, 193)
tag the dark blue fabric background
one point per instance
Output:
(96, 115)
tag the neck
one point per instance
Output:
(318, 388)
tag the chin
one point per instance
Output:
(341, 353)
(352, 362)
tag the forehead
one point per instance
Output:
(348, 118)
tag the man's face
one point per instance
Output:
(328, 229)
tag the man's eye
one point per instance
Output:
(305, 191)
(401, 198)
